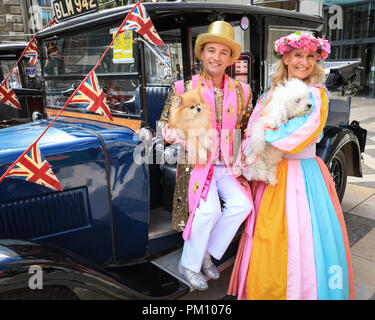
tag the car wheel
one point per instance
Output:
(338, 170)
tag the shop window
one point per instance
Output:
(355, 21)
(44, 11)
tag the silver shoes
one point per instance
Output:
(196, 280)
(209, 269)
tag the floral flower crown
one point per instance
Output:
(306, 41)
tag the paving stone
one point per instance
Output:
(357, 227)
(362, 292)
(365, 247)
(354, 195)
(366, 208)
(364, 273)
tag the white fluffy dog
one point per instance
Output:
(290, 99)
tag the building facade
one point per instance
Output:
(352, 32)
(12, 20)
(354, 36)
(20, 19)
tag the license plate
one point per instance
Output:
(66, 9)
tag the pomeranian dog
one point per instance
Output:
(191, 118)
(290, 99)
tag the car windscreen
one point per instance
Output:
(68, 58)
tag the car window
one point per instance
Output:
(14, 78)
(164, 64)
(159, 73)
(240, 36)
(70, 57)
(32, 74)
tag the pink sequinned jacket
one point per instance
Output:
(193, 181)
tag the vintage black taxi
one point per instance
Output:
(108, 233)
(25, 80)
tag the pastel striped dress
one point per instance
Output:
(295, 243)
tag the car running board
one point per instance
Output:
(168, 263)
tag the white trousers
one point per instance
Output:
(212, 229)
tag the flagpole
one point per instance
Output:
(71, 97)
(24, 51)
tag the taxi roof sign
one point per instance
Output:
(67, 9)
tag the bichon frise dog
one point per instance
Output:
(191, 118)
(290, 99)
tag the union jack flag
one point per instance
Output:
(32, 52)
(139, 21)
(7, 96)
(33, 167)
(53, 51)
(91, 97)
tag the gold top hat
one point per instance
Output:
(219, 32)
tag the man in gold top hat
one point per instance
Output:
(223, 195)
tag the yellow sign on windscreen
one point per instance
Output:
(123, 47)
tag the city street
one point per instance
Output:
(96, 75)
(359, 213)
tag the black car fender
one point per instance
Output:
(344, 139)
(20, 261)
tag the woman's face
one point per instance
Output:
(300, 63)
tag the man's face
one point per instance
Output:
(215, 57)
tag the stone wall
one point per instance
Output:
(13, 25)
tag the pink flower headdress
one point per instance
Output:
(306, 41)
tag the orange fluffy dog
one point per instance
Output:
(191, 118)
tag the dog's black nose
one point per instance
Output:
(309, 106)
(199, 109)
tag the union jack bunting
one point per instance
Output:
(32, 52)
(91, 97)
(33, 167)
(8, 97)
(139, 21)
(53, 51)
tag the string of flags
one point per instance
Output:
(91, 97)
(31, 165)
(8, 97)
(140, 22)
(32, 52)
(53, 52)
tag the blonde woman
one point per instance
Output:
(295, 243)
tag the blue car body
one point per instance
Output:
(81, 154)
